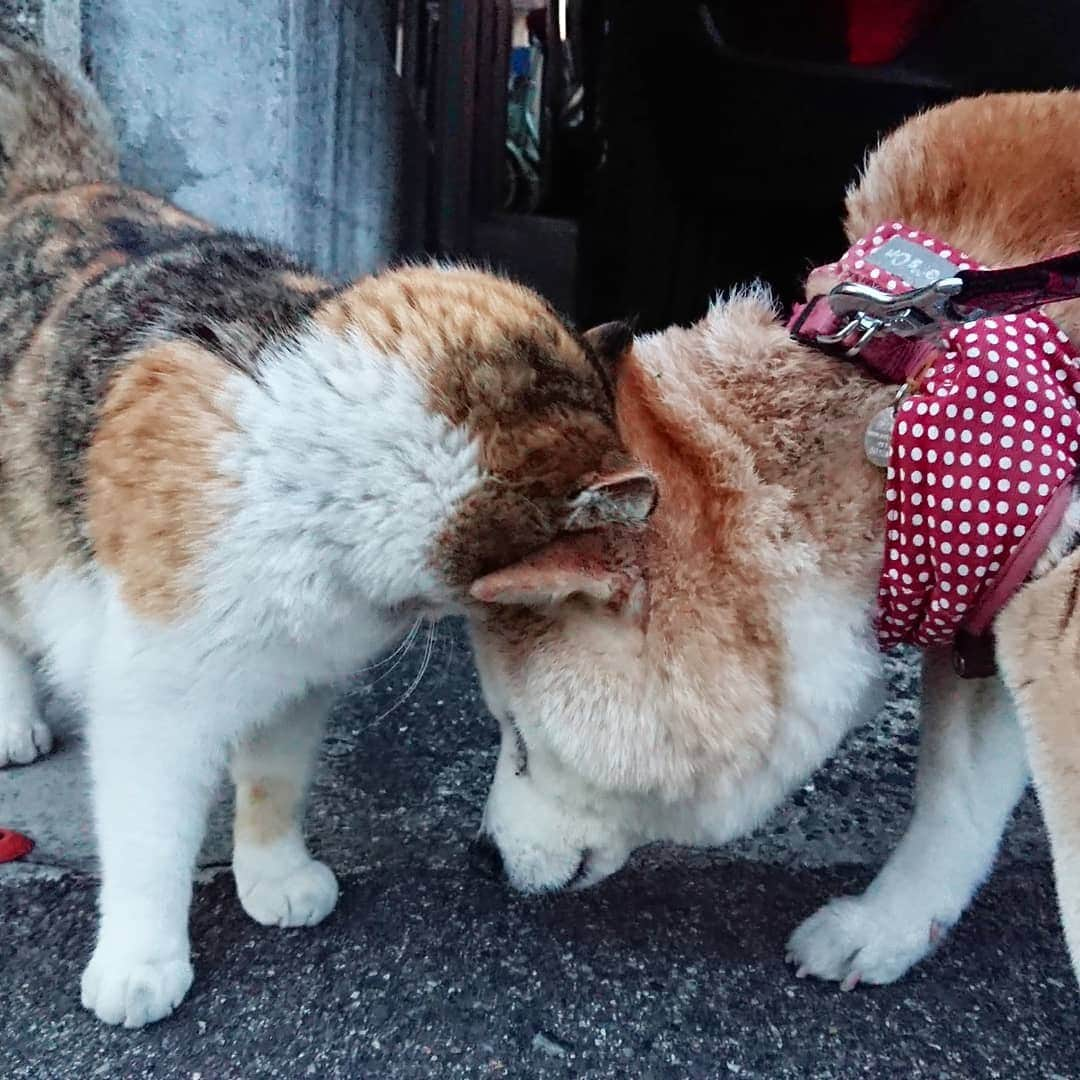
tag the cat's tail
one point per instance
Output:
(54, 130)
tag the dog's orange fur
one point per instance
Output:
(756, 443)
(960, 173)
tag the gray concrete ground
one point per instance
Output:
(671, 969)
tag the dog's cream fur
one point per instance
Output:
(692, 673)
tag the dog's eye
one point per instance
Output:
(521, 752)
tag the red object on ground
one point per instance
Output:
(14, 845)
(879, 30)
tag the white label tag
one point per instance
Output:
(917, 265)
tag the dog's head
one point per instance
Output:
(674, 681)
(639, 670)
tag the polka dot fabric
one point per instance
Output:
(979, 447)
(856, 263)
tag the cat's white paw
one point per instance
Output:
(133, 991)
(24, 736)
(852, 939)
(303, 895)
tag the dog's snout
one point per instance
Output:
(485, 858)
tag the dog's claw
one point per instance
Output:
(851, 981)
(802, 972)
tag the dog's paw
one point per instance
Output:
(301, 896)
(133, 991)
(23, 737)
(852, 940)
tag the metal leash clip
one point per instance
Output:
(870, 311)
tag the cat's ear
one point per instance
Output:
(611, 341)
(625, 497)
(568, 566)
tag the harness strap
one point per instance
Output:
(902, 301)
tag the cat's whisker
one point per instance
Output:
(396, 656)
(424, 664)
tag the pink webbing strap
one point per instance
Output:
(892, 359)
(973, 648)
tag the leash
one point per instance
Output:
(948, 332)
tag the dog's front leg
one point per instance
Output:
(972, 771)
(1039, 652)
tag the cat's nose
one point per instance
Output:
(485, 858)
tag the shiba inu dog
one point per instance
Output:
(675, 681)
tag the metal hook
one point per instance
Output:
(863, 325)
(915, 313)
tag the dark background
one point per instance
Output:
(717, 138)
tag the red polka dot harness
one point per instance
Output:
(985, 432)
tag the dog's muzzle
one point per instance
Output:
(486, 859)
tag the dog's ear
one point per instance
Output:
(571, 565)
(579, 561)
(611, 341)
(624, 497)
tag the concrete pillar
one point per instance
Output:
(54, 24)
(281, 118)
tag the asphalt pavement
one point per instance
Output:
(673, 968)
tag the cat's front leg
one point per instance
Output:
(277, 880)
(155, 764)
(24, 735)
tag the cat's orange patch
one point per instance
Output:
(154, 490)
(495, 359)
(174, 217)
(305, 283)
(266, 810)
(473, 337)
(84, 203)
(71, 204)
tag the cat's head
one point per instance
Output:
(526, 439)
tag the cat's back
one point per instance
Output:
(90, 277)
(53, 245)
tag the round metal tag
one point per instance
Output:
(878, 438)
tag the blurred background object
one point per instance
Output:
(626, 157)
(629, 157)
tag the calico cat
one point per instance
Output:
(225, 484)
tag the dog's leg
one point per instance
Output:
(278, 882)
(1039, 652)
(972, 771)
(24, 736)
(155, 762)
